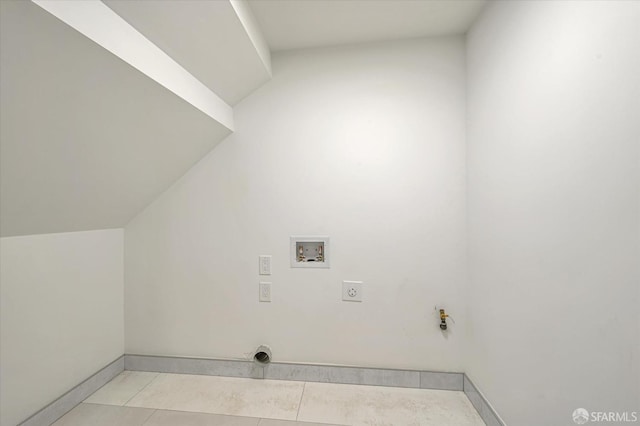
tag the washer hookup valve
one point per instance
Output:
(443, 319)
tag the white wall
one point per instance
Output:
(61, 315)
(553, 163)
(364, 144)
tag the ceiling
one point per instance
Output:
(288, 24)
(87, 141)
(102, 108)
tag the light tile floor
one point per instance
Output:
(157, 399)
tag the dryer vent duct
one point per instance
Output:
(262, 355)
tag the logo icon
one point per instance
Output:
(580, 416)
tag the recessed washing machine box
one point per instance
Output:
(309, 251)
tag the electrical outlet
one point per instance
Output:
(352, 291)
(265, 292)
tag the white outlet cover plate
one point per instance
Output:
(265, 292)
(352, 291)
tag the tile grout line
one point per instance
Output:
(145, 386)
(304, 386)
(148, 418)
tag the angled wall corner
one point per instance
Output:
(252, 28)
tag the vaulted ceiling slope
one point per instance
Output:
(86, 140)
(217, 41)
(289, 24)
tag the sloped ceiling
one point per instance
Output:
(86, 140)
(208, 38)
